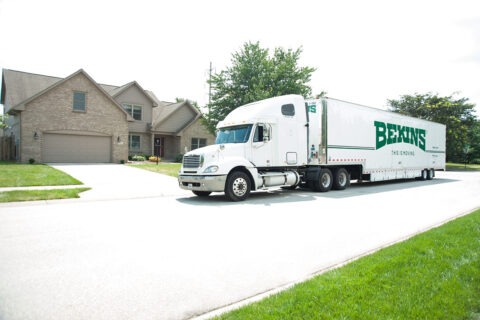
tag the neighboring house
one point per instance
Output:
(75, 119)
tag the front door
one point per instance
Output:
(159, 147)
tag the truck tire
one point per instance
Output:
(423, 177)
(341, 179)
(238, 186)
(201, 193)
(430, 174)
(324, 182)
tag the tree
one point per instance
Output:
(3, 120)
(457, 114)
(255, 75)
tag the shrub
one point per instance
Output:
(146, 156)
(129, 158)
(179, 158)
(154, 159)
(31, 161)
(122, 161)
(138, 158)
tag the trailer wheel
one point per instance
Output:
(430, 174)
(238, 186)
(341, 179)
(423, 176)
(201, 193)
(324, 182)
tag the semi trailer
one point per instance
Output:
(323, 144)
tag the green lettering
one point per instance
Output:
(414, 136)
(403, 134)
(421, 139)
(392, 129)
(380, 130)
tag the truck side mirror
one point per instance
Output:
(266, 134)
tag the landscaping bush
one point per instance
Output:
(146, 156)
(129, 158)
(179, 158)
(31, 161)
(154, 159)
(122, 161)
(138, 158)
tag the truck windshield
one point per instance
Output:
(237, 134)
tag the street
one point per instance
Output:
(175, 257)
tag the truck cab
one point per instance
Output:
(258, 146)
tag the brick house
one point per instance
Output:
(75, 119)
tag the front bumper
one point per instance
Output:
(202, 183)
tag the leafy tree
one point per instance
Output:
(3, 120)
(255, 75)
(457, 114)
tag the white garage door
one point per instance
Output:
(75, 148)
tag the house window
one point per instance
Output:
(133, 142)
(79, 101)
(133, 110)
(198, 143)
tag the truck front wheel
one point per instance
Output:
(238, 186)
(341, 179)
(324, 182)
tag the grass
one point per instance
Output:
(24, 175)
(434, 275)
(170, 169)
(31, 195)
(461, 167)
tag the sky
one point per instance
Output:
(363, 51)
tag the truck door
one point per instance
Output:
(262, 150)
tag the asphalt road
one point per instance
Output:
(175, 257)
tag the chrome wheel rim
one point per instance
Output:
(240, 187)
(325, 180)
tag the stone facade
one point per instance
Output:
(195, 130)
(53, 112)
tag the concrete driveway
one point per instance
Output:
(116, 181)
(177, 257)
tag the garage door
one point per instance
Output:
(75, 148)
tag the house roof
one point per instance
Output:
(20, 106)
(162, 115)
(23, 86)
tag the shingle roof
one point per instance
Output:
(22, 85)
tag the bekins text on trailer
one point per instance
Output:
(288, 141)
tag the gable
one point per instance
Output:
(57, 103)
(177, 120)
(134, 95)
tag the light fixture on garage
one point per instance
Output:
(118, 139)
(35, 135)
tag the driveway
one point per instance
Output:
(177, 257)
(116, 181)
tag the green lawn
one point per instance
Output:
(170, 169)
(31, 195)
(434, 275)
(23, 175)
(461, 167)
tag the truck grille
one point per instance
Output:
(191, 161)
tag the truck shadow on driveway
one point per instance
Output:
(304, 194)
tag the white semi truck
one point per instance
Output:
(324, 143)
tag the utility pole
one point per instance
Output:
(209, 86)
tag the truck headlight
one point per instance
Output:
(211, 169)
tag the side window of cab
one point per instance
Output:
(262, 133)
